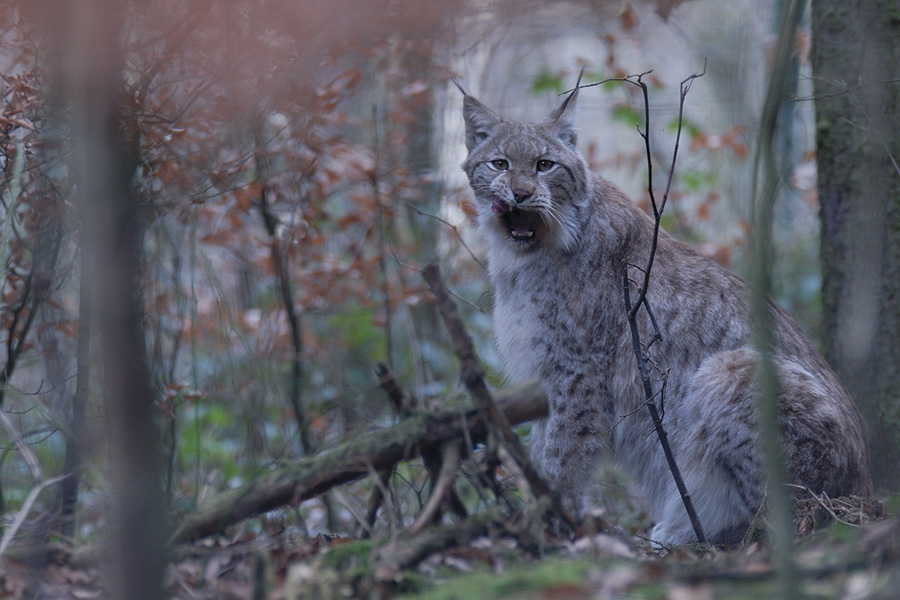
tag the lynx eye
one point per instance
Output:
(501, 164)
(544, 165)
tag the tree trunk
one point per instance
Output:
(88, 35)
(856, 64)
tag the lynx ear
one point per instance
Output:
(480, 122)
(564, 116)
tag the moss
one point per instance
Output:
(521, 581)
(350, 555)
(835, 19)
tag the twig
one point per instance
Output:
(376, 499)
(282, 274)
(403, 405)
(409, 550)
(453, 227)
(658, 426)
(27, 453)
(24, 510)
(658, 209)
(641, 301)
(472, 375)
(848, 89)
(441, 486)
(402, 402)
(821, 501)
(418, 270)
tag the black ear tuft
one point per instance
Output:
(564, 116)
(480, 121)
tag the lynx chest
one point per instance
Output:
(538, 314)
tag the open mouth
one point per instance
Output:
(522, 225)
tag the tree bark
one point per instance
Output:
(856, 65)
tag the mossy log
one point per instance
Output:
(312, 476)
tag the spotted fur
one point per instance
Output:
(559, 241)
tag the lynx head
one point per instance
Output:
(531, 184)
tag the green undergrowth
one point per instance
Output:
(521, 580)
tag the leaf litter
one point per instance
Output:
(847, 549)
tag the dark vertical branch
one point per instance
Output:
(472, 374)
(105, 156)
(402, 404)
(74, 443)
(282, 273)
(632, 309)
(36, 285)
(649, 394)
(658, 208)
(382, 246)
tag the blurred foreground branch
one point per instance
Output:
(106, 153)
(766, 183)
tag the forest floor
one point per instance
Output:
(856, 555)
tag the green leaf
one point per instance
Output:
(545, 81)
(627, 115)
(687, 126)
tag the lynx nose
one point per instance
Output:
(521, 195)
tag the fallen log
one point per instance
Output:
(309, 477)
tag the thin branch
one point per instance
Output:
(25, 509)
(442, 485)
(472, 375)
(821, 500)
(284, 285)
(632, 308)
(403, 405)
(409, 550)
(27, 453)
(382, 242)
(877, 133)
(847, 90)
(402, 402)
(658, 426)
(453, 227)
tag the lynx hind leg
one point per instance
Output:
(825, 441)
(715, 446)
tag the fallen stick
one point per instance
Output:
(309, 477)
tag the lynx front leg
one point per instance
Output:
(566, 448)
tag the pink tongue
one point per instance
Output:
(499, 206)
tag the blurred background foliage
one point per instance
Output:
(297, 167)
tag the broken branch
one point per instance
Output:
(312, 476)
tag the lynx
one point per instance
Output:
(559, 241)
